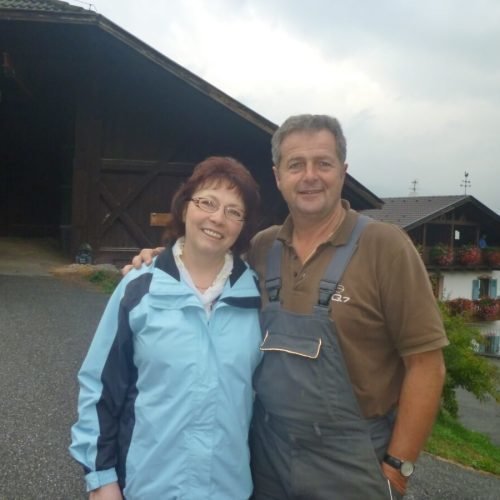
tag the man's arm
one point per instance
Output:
(418, 405)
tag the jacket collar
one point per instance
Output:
(166, 263)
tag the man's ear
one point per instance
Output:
(276, 176)
(346, 166)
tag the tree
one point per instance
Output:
(464, 368)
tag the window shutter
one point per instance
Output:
(493, 289)
(475, 289)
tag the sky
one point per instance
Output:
(415, 84)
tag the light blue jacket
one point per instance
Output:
(166, 393)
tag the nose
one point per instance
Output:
(310, 172)
(218, 216)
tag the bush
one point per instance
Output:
(464, 368)
(105, 280)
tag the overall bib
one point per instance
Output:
(309, 439)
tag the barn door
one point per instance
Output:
(130, 192)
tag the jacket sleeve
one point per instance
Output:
(105, 380)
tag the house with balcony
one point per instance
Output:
(458, 238)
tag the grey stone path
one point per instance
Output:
(45, 327)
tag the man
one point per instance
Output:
(352, 374)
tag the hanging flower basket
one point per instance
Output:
(491, 256)
(442, 255)
(469, 255)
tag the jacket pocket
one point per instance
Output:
(298, 346)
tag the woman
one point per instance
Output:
(165, 390)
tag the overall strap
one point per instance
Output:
(273, 271)
(338, 264)
(332, 275)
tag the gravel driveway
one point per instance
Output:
(45, 327)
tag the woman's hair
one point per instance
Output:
(217, 171)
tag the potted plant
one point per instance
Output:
(491, 256)
(469, 255)
(442, 255)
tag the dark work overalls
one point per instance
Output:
(309, 440)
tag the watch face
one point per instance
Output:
(407, 469)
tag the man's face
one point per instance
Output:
(310, 176)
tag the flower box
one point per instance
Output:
(487, 309)
(442, 255)
(461, 307)
(492, 256)
(469, 255)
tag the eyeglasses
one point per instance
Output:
(211, 206)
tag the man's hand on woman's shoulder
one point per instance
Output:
(145, 256)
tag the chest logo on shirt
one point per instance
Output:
(339, 296)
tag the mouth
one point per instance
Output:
(212, 234)
(310, 191)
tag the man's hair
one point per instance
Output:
(301, 123)
(217, 171)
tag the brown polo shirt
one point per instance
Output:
(384, 308)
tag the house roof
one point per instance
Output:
(63, 12)
(39, 5)
(412, 211)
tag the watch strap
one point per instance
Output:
(393, 461)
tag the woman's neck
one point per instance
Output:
(202, 269)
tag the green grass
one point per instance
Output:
(452, 441)
(105, 280)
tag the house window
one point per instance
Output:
(484, 287)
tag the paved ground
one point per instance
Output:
(45, 327)
(30, 257)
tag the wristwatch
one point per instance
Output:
(405, 467)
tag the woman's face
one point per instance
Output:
(213, 234)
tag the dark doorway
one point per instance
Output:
(35, 162)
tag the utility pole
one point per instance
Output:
(466, 182)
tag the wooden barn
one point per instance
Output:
(98, 129)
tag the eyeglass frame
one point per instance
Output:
(218, 204)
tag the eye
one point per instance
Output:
(208, 204)
(295, 166)
(325, 164)
(235, 213)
